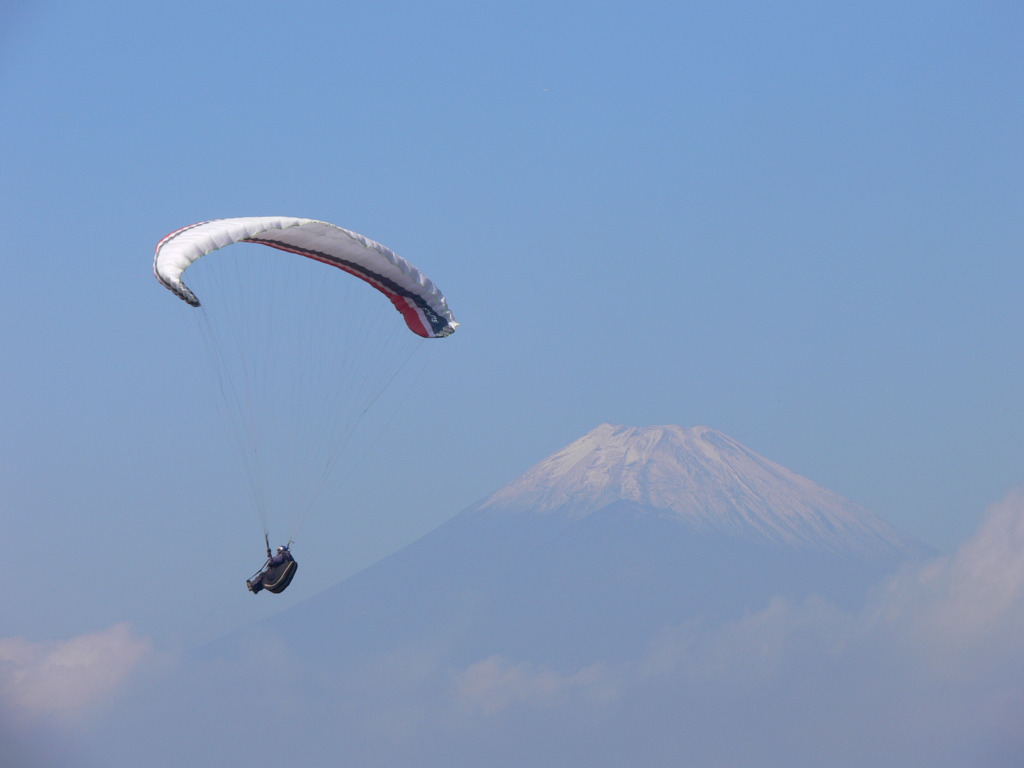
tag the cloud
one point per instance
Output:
(494, 684)
(66, 678)
(960, 612)
(929, 672)
(973, 600)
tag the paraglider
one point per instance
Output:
(276, 574)
(293, 407)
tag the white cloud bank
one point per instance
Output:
(66, 678)
(972, 601)
(931, 672)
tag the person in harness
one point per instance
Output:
(276, 574)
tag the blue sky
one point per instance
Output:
(798, 224)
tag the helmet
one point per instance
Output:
(282, 549)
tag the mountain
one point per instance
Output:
(700, 478)
(614, 605)
(589, 554)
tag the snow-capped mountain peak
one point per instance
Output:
(701, 478)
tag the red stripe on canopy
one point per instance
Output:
(413, 316)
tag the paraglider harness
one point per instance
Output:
(274, 578)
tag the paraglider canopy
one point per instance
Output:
(421, 303)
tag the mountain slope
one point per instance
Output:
(595, 550)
